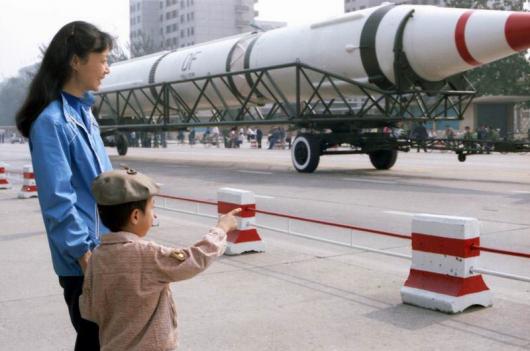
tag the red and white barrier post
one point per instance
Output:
(442, 257)
(246, 237)
(29, 187)
(4, 182)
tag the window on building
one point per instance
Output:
(182, 19)
(174, 27)
(137, 19)
(192, 30)
(168, 42)
(138, 6)
(182, 33)
(192, 16)
(168, 14)
(175, 14)
(168, 29)
(161, 4)
(175, 41)
(182, 4)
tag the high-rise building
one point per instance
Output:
(169, 24)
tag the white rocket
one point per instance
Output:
(437, 42)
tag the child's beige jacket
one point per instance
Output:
(126, 288)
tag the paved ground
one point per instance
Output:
(300, 294)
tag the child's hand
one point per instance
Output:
(228, 222)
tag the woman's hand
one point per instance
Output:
(228, 222)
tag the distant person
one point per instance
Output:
(259, 137)
(289, 139)
(274, 137)
(180, 136)
(191, 136)
(420, 135)
(2, 136)
(468, 138)
(215, 136)
(67, 154)
(126, 290)
(449, 133)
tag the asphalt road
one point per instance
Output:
(291, 278)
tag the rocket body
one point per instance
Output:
(438, 43)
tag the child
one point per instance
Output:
(126, 289)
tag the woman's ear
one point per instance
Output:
(75, 63)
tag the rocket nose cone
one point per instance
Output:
(518, 31)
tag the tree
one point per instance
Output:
(142, 45)
(12, 94)
(509, 76)
(117, 54)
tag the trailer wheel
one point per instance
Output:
(383, 159)
(122, 144)
(305, 153)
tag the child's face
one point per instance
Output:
(145, 219)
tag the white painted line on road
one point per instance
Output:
(253, 172)
(263, 196)
(400, 213)
(370, 181)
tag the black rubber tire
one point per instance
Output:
(122, 144)
(383, 159)
(462, 157)
(305, 153)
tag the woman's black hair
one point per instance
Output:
(116, 217)
(76, 38)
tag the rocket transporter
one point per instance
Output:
(404, 60)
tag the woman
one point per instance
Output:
(67, 154)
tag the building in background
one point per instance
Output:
(170, 24)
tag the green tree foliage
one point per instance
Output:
(12, 94)
(143, 45)
(509, 76)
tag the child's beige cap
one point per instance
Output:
(122, 186)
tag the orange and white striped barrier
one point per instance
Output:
(442, 260)
(29, 187)
(246, 237)
(4, 182)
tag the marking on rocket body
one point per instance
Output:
(460, 39)
(187, 63)
(517, 31)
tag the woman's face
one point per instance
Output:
(90, 72)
